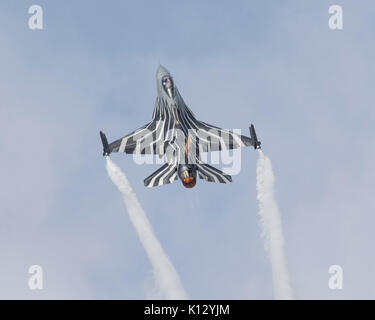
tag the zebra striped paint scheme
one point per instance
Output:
(172, 124)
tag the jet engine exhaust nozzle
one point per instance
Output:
(187, 175)
(189, 182)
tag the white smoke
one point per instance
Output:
(167, 279)
(272, 233)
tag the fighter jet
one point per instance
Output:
(176, 134)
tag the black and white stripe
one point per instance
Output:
(212, 174)
(160, 134)
(164, 175)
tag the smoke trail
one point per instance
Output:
(166, 276)
(270, 222)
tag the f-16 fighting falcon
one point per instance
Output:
(175, 133)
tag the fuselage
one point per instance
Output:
(175, 133)
(175, 113)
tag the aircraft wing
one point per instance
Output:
(212, 138)
(145, 140)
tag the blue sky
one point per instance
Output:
(307, 89)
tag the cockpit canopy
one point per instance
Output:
(168, 85)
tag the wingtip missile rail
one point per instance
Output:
(106, 150)
(253, 136)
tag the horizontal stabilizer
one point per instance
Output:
(212, 174)
(164, 175)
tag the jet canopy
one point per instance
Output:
(168, 85)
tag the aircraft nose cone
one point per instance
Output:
(162, 71)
